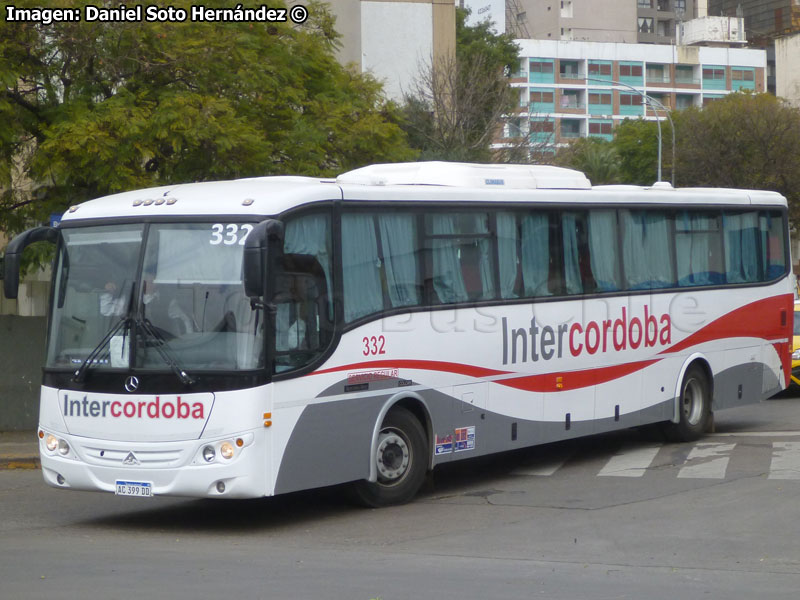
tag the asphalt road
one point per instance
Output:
(612, 516)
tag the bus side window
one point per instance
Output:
(302, 329)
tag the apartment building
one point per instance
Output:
(627, 21)
(573, 89)
(395, 40)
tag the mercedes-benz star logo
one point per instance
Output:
(132, 383)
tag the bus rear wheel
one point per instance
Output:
(401, 461)
(694, 406)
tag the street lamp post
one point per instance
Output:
(656, 105)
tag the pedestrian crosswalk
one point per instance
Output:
(709, 458)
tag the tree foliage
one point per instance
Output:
(595, 157)
(455, 109)
(636, 144)
(743, 140)
(89, 108)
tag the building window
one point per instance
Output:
(602, 129)
(714, 77)
(571, 99)
(546, 97)
(570, 128)
(513, 129)
(683, 101)
(542, 70)
(685, 74)
(657, 74)
(600, 98)
(541, 66)
(645, 4)
(663, 5)
(630, 70)
(596, 68)
(569, 69)
(659, 101)
(630, 100)
(542, 130)
(714, 74)
(646, 25)
(680, 5)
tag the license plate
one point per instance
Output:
(139, 489)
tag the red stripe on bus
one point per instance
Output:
(424, 365)
(574, 380)
(750, 321)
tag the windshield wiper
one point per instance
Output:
(163, 349)
(80, 374)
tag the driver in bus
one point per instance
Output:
(154, 303)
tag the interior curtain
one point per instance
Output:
(398, 241)
(310, 235)
(572, 270)
(603, 250)
(360, 267)
(448, 281)
(646, 250)
(693, 249)
(535, 250)
(507, 238)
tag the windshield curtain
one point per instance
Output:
(190, 293)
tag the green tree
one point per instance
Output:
(743, 140)
(456, 107)
(90, 108)
(636, 144)
(596, 158)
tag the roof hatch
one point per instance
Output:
(501, 176)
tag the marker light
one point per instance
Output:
(226, 450)
(209, 453)
(51, 442)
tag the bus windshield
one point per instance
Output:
(188, 298)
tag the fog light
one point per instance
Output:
(60, 479)
(51, 442)
(63, 448)
(226, 450)
(209, 453)
(221, 487)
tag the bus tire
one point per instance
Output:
(694, 407)
(401, 457)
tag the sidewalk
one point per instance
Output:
(19, 450)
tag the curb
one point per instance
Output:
(19, 462)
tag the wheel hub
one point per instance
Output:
(393, 456)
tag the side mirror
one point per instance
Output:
(263, 249)
(13, 255)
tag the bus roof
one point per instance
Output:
(424, 181)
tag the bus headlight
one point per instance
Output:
(796, 354)
(63, 448)
(51, 442)
(226, 450)
(209, 453)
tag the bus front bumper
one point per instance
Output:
(179, 468)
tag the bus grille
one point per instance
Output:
(151, 459)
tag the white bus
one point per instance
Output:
(256, 337)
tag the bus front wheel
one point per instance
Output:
(400, 457)
(694, 407)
